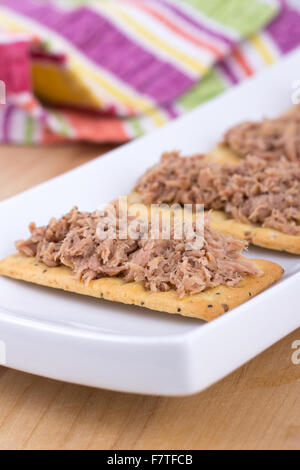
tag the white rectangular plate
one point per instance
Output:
(114, 346)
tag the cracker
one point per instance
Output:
(259, 236)
(255, 234)
(206, 306)
(223, 154)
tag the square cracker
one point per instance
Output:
(255, 234)
(207, 305)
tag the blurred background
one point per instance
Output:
(82, 77)
(108, 71)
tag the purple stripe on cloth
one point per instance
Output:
(285, 29)
(227, 70)
(102, 42)
(171, 111)
(201, 27)
(7, 115)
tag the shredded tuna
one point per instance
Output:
(167, 264)
(161, 264)
(269, 138)
(181, 180)
(259, 191)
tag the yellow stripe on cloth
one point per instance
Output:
(134, 25)
(80, 69)
(261, 48)
(66, 87)
(140, 104)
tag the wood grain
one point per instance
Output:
(256, 407)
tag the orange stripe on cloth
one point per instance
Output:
(241, 60)
(177, 29)
(96, 128)
(49, 137)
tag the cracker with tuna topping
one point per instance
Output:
(206, 305)
(271, 138)
(148, 190)
(199, 274)
(259, 236)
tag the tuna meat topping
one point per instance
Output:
(257, 190)
(270, 137)
(73, 241)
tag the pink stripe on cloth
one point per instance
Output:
(44, 56)
(15, 66)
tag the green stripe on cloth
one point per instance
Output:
(64, 128)
(29, 129)
(136, 126)
(210, 86)
(243, 16)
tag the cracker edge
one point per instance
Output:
(207, 305)
(260, 236)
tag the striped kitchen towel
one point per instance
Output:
(114, 69)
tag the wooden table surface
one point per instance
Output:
(256, 407)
